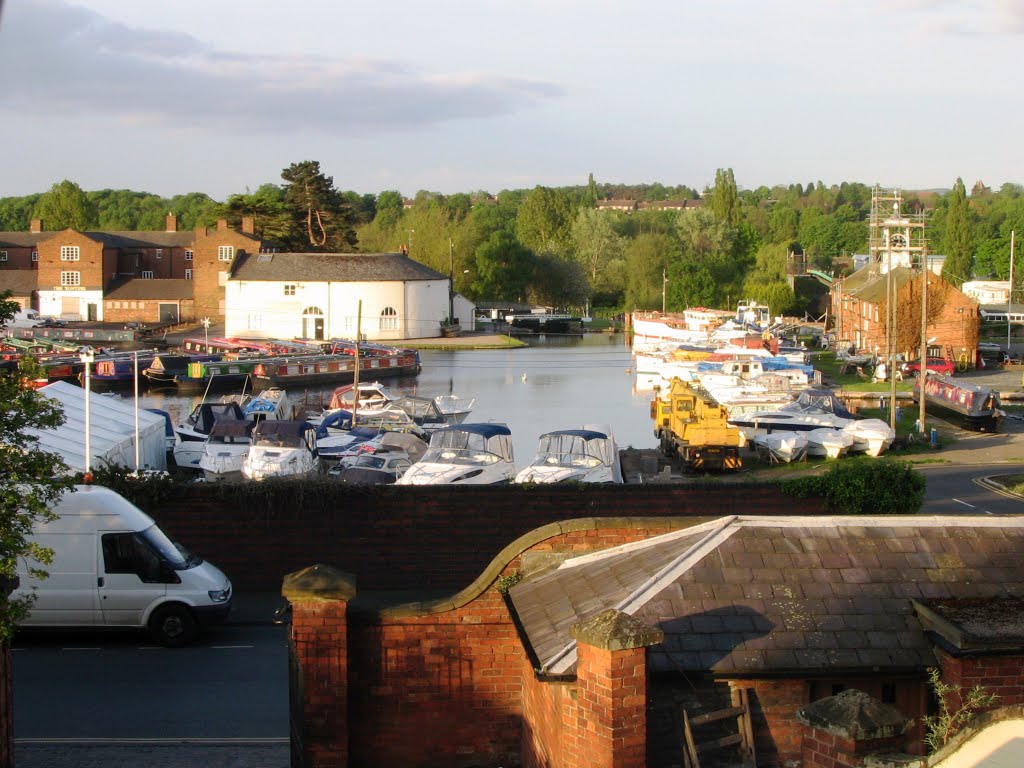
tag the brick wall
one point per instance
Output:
(431, 537)
(209, 271)
(1001, 674)
(774, 703)
(550, 714)
(90, 261)
(146, 310)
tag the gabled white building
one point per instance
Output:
(317, 296)
(988, 291)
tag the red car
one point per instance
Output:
(935, 365)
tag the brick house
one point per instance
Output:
(86, 275)
(859, 309)
(591, 657)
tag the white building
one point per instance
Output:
(988, 291)
(318, 295)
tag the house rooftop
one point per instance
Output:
(334, 267)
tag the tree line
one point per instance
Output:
(553, 246)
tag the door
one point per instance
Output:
(68, 597)
(91, 310)
(168, 313)
(129, 578)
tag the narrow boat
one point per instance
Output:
(465, 454)
(975, 406)
(333, 369)
(225, 450)
(217, 374)
(118, 369)
(164, 368)
(281, 448)
(587, 455)
(830, 443)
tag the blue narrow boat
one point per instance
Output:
(118, 370)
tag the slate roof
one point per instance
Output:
(334, 267)
(792, 596)
(143, 239)
(20, 282)
(22, 239)
(137, 288)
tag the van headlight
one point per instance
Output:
(219, 595)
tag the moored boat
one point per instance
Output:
(976, 406)
(830, 443)
(782, 447)
(225, 450)
(465, 454)
(587, 455)
(281, 448)
(870, 436)
(333, 369)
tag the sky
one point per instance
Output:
(218, 96)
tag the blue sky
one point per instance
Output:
(218, 96)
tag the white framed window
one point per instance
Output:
(188, 254)
(35, 255)
(289, 289)
(389, 319)
(70, 278)
(70, 253)
(254, 322)
(3, 255)
(159, 253)
(188, 274)
(225, 252)
(147, 274)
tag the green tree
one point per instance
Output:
(272, 219)
(544, 221)
(590, 194)
(557, 282)
(504, 268)
(16, 212)
(66, 206)
(724, 199)
(319, 220)
(389, 209)
(596, 244)
(957, 240)
(646, 257)
(783, 224)
(32, 479)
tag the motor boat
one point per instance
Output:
(272, 403)
(281, 448)
(870, 436)
(813, 408)
(587, 455)
(782, 447)
(225, 449)
(373, 395)
(465, 454)
(827, 442)
(336, 436)
(194, 431)
(380, 461)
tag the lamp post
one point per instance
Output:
(87, 355)
(410, 242)
(206, 328)
(136, 355)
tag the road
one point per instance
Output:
(112, 695)
(959, 490)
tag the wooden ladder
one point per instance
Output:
(743, 738)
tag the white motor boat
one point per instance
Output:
(587, 455)
(271, 403)
(336, 437)
(782, 447)
(830, 443)
(194, 431)
(813, 408)
(225, 449)
(380, 461)
(281, 448)
(465, 454)
(870, 436)
(373, 395)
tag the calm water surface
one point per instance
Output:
(556, 383)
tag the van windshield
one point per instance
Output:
(175, 555)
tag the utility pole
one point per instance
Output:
(451, 281)
(664, 282)
(922, 372)
(890, 292)
(355, 372)
(1009, 295)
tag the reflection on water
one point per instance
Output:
(559, 382)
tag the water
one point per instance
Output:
(559, 382)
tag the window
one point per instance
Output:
(188, 274)
(70, 278)
(389, 319)
(254, 322)
(147, 274)
(226, 252)
(3, 255)
(188, 254)
(69, 253)
(35, 255)
(159, 253)
(289, 290)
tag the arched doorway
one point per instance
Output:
(313, 323)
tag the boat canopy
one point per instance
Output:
(232, 428)
(282, 432)
(466, 439)
(575, 447)
(206, 415)
(813, 400)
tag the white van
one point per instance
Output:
(113, 567)
(26, 318)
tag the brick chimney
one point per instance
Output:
(611, 677)
(319, 596)
(171, 223)
(843, 730)
(249, 225)
(35, 226)
(222, 224)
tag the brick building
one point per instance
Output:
(592, 656)
(165, 276)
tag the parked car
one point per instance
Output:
(935, 365)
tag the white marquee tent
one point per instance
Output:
(111, 431)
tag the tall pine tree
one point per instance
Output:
(957, 241)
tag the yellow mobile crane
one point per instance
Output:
(691, 425)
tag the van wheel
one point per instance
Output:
(173, 626)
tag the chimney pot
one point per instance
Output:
(248, 225)
(36, 225)
(222, 224)
(171, 222)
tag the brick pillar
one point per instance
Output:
(611, 679)
(318, 665)
(842, 730)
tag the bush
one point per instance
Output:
(864, 487)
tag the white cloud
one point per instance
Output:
(57, 59)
